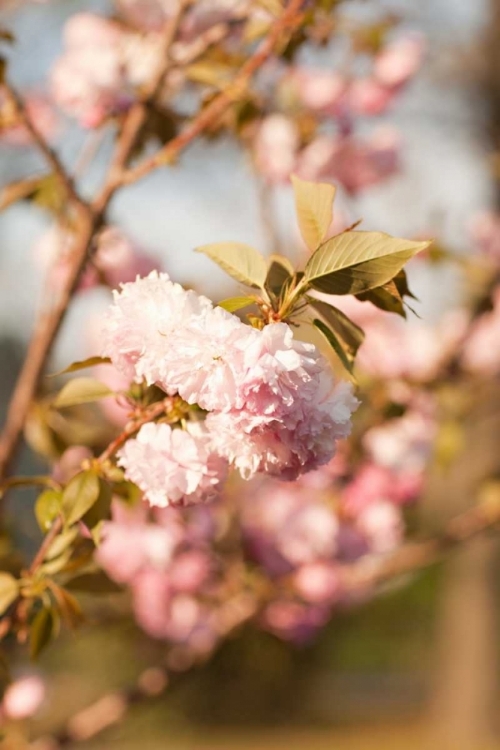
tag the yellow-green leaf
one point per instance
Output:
(242, 262)
(79, 496)
(353, 262)
(329, 335)
(280, 270)
(47, 508)
(314, 206)
(345, 329)
(9, 591)
(43, 628)
(236, 303)
(81, 391)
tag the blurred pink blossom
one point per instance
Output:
(23, 697)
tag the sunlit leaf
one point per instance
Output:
(101, 508)
(236, 303)
(314, 206)
(79, 496)
(351, 334)
(61, 543)
(279, 272)
(43, 628)
(353, 262)
(47, 508)
(242, 262)
(81, 391)
(329, 335)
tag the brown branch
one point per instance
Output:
(288, 22)
(45, 545)
(50, 155)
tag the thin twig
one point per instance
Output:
(150, 413)
(50, 155)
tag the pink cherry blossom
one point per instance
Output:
(356, 164)
(146, 315)
(172, 466)
(399, 60)
(276, 145)
(23, 697)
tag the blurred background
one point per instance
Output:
(419, 666)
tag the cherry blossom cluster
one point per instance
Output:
(102, 66)
(281, 147)
(294, 539)
(263, 401)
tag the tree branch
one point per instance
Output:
(288, 22)
(50, 155)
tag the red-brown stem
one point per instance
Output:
(150, 413)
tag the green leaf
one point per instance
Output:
(47, 508)
(61, 543)
(279, 272)
(97, 583)
(43, 628)
(101, 508)
(79, 496)
(81, 391)
(67, 605)
(236, 303)
(350, 334)
(9, 591)
(390, 296)
(82, 365)
(335, 344)
(353, 262)
(241, 262)
(314, 206)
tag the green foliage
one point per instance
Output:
(79, 496)
(241, 262)
(9, 591)
(390, 296)
(279, 273)
(44, 628)
(81, 391)
(101, 507)
(354, 262)
(314, 206)
(47, 508)
(232, 304)
(335, 344)
(343, 335)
